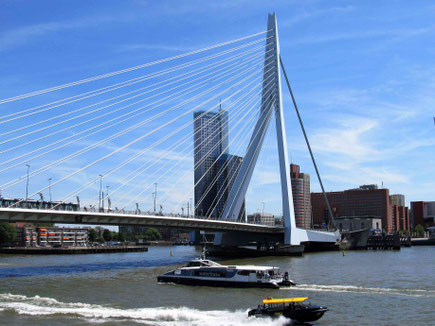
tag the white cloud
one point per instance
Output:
(346, 139)
(15, 37)
(309, 14)
(393, 36)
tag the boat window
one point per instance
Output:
(244, 273)
(193, 264)
(209, 273)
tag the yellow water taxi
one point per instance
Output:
(299, 309)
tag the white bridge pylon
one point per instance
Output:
(271, 101)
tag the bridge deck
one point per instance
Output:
(82, 217)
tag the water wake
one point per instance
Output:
(41, 306)
(365, 290)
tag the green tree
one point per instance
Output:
(114, 236)
(41, 224)
(152, 234)
(107, 235)
(8, 233)
(93, 235)
(100, 239)
(122, 236)
(419, 229)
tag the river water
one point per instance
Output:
(360, 288)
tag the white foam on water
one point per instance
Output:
(41, 306)
(365, 290)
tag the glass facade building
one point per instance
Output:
(210, 141)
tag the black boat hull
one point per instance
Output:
(287, 283)
(306, 315)
(214, 283)
(302, 315)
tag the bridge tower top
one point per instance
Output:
(271, 102)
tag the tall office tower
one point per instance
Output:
(227, 168)
(210, 141)
(301, 196)
(400, 214)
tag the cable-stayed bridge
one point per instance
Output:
(108, 142)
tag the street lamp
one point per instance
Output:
(107, 195)
(27, 182)
(49, 188)
(100, 197)
(188, 212)
(155, 196)
(262, 211)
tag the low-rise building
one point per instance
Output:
(353, 223)
(51, 236)
(265, 219)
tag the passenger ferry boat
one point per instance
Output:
(201, 271)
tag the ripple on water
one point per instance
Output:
(43, 306)
(365, 290)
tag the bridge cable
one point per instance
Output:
(213, 148)
(181, 166)
(173, 146)
(271, 101)
(76, 134)
(140, 138)
(7, 185)
(189, 74)
(250, 163)
(332, 220)
(206, 155)
(228, 179)
(106, 75)
(184, 139)
(211, 184)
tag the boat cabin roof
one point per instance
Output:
(210, 263)
(253, 267)
(284, 300)
(202, 262)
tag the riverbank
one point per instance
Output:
(71, 250)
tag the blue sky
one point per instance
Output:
(362, 73)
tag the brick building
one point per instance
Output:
(400, 216)
(423, 213)
(363, 201)
(301, 196)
